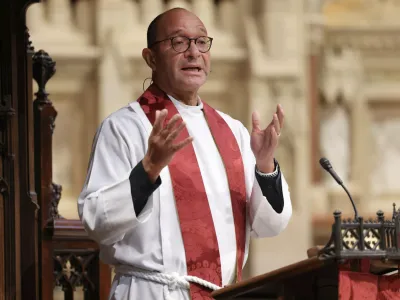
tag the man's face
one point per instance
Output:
(185, 71)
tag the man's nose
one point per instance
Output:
(192, 50)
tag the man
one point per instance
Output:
(175, 188)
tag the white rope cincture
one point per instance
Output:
(171, 281)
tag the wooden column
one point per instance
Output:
(18, 206)
(45, 114)
(28, 205)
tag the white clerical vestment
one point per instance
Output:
(152, 241)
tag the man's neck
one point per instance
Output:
(188, 98)
(191, 100)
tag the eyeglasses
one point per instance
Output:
(182, 43)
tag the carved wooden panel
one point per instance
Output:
(77, 268)
(44, 117)
(68, 259)
(8, 127)
(18, 206)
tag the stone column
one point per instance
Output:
(61, 32)
(275, 32)
(178, 3)
(230, 20)
(205, 10)
(314, 40)
(120, 19)
(86, 18)
(150, 9)
(35, 18)
(361, 141)
(60, 12)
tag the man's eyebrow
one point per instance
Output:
(175, 32)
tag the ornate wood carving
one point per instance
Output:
(5, 106)
(45, 114)
(77, 268)
(55, 200)
(29, 204)
(29, 47)
(68, 257)
(43, 68)
(18, 234)
(76, 262)
(374, 239)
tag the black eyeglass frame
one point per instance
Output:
(190, 42)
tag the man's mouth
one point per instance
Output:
(198, 69)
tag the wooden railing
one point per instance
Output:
(68, 258)
(76, 262)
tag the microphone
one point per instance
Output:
(324, 162)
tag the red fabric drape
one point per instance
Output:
(366, 286)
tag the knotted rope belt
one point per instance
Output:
(172, 281)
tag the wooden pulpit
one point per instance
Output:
(360, 261)
(308, 279)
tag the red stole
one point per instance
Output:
(197, 226)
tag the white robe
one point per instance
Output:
(152, 240)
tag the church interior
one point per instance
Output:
(67, 64)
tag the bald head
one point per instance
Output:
(162, 20)
(178, 53)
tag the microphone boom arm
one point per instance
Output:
(326, 165)
(352, 202)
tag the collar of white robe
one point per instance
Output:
(171, 281)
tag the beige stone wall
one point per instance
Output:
(260, 58)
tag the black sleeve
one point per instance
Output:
(141, 187)
(271, 188)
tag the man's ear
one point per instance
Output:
(148, 57)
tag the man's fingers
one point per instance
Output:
(174, 134)
(173, 121)
(171, 131)
(159, 121)
(274, 138)
(182, 144)
(166, 130)
(255, 118)
(277, 127)
(281, 115)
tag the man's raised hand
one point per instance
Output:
(163, 144)
(264, 141)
